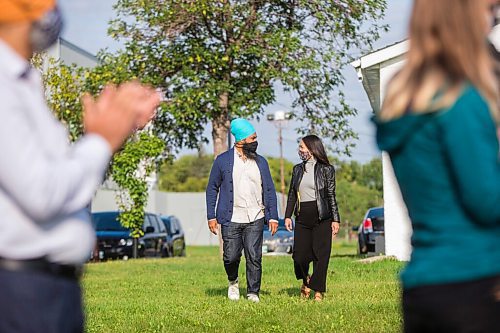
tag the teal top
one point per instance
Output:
(447, 166)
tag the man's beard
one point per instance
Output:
(250, 150)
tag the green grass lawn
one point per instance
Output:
(189, 295)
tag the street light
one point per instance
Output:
(280, 120)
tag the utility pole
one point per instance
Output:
(280, 118)
(282, 167)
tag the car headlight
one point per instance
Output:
(126, 242)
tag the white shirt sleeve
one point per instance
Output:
(47, 183)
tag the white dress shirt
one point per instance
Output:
(247, 190)
(45, 182)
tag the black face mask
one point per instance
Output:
(46, 30)
(250, 149)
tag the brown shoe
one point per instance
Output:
(305, 291)
(318, 297)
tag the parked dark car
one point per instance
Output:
(371, 227)
(175, 241)
(114, 240)
(280, 243)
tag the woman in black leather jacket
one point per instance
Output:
(311, 199)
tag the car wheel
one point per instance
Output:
(371, 248)
(362, 249)
(166, 253)
(183, 253)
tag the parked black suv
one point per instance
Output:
(371, 227)
(114, 240)
(175, 241)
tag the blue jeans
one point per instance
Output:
(247, 237)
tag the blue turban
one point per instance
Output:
(241, 129)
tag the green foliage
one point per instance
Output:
(372, 175)
(130, 168)
(354, 200)
(189, 173)
(189, 295)
(221, 59)
(274, 166)
(64, 85)
(368, 175)
(359, 187)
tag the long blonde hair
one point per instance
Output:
(447, 48)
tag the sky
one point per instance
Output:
(86, 23)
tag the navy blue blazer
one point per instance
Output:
(220, 185)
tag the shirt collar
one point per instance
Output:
(236, 154)
(12, 63)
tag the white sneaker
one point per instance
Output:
(233, 291)
(253, 298)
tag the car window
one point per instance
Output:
(175, 225)
(166, 221)
(153, 222)
(376, 213)
(147, 222)
(107, 222)
(160, 224)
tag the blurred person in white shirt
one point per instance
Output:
(46, 182)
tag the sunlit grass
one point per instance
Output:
(189, 295)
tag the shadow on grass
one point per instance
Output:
(218, 292)
(292, 292)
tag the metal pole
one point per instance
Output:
(282, 169)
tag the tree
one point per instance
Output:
(371, 176)
(221, 59)
(189, 173)
(354, 200)
(130, 167)
(274, 166)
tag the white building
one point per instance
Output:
(71, 54)
(375, 70)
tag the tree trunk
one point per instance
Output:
(220, 126)
(220, 136)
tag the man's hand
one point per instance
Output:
(288, 224)
(335, 228)
(118, 111)
(273, 226)
(212, 225)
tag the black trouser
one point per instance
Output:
(32, 302)
(312, 243)
(247, 237)
(454, 308)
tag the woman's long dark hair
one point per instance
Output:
(315, 146)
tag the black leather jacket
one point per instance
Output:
(324, 178)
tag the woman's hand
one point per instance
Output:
(335, 228)
(288, 224)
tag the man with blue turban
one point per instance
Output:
(241, 198)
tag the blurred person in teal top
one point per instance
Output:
(438, 124)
